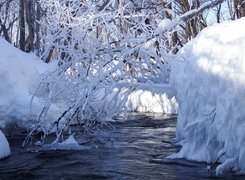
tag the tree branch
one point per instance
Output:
(192, 13)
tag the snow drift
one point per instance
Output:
(209, 78)
(4, 146)
(19, 75)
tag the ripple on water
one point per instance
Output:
(135, 149)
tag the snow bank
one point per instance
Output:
(209, 79)
(19, 74)
(4, 146)
(153, 99)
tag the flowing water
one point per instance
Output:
(135, 149)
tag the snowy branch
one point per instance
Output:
(192, 13)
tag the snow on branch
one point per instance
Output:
(192, 13)
(100, 46)
(189, 15)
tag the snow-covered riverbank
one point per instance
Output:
(20, 73)
(19, 77)
(209, 78)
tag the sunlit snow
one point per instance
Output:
(209, 79)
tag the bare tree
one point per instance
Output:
(192, 26)
(22, 25)
(236, 8)
(7, 19)
(239, 6)
(30, 17)
(37, 27)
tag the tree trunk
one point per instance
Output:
(29, 46)
(5, 31)
(242, 8)
(218, 14)
(192, 26)
(38, 17)
(22, 24)
(239, 6)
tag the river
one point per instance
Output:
(135, 149)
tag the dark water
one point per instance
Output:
(135, 149)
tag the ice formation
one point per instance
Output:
(209, 77)
(4, 146)
(70, 141)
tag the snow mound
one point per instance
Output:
(4, 146)
(19, 75)
(149, 101)
(209, 78)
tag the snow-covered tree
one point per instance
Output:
(105, 49)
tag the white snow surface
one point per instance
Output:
(19, 77)
(4, 146)
(156, 99)
(209, 77)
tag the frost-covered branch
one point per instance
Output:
(192, 13)
(105, 49)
